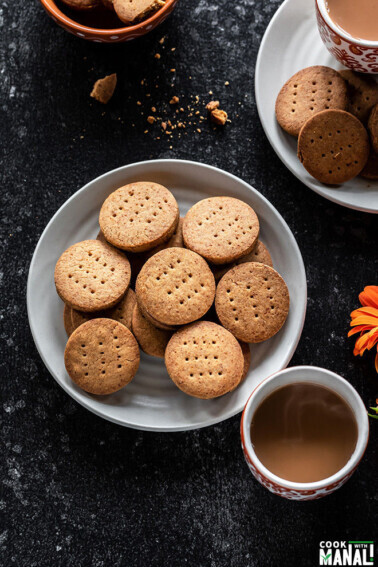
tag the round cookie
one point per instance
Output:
(333, 146)
(252, 302)
(247, 359)
(123, 311)
(373, 127)
(67, 321)
(139, 216)
(91, 276)
(370, 171)
(101, 356)
(152, 340)
(175, 287)
(176, 241)
(307, 92)
(260, 254)
(221, 229)
(362, 93)
(204, 360)
(153, 321)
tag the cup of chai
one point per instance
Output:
(304, 431)
(349, 30)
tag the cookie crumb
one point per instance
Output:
(103, 89)
(174, 100)
(212, 105)
(151, 119)
(219, 117)
(157, 55)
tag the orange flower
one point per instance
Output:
(365, 321)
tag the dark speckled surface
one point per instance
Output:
(76, 490)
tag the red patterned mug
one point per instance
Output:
(357, 54)
(313, 375)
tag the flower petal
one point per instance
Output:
(364, 311)
(359, 329)
(364, 320)
(369, 296)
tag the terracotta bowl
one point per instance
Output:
(117, 35)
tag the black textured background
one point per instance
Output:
(77, 490)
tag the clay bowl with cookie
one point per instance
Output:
(104, 26)
(152, 400)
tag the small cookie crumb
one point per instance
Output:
(212, 105)
(151, 119)
(174, 100)
(219, 117)
(103, 89)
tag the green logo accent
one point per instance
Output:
(326, 557)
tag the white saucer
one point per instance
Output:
(292, 42)
(151, 401)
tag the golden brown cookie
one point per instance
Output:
(247, 359)
(153, 321)
(204, 360)
(333, 146)
(103, 89)
(307, 92)
(362, 93)
(252, 302)
(260, 254)
(131, 11)
(139, 216)
(373, 127)
(101, 356)
(176, 241)
(152, 340)
(175, 286)
(122, 312)
(81, 5)
(67, 321)
(370, 171)
(221, 229)
(91, 276)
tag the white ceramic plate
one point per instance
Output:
(292, 42)
(151, 401)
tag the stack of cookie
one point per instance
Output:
(177, 311)
(328, 112)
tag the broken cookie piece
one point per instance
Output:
(103, 89)
(131, 11)
(219, 117)
(212, 105)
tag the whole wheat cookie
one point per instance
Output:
(204, 360)
(91, 276)
(307, 92)
(152, 340)
(155, 322)
(67, 321)
(82, 5)
(246, 351)
(373, 127)
(370, 171)
(260, 254)
(121, 312)
(139, 216)
(130, 11)
(333, 146)
(176, 241)
(104, 88)
(362, 94)
(221, 229)
(252, 302)
(175, 286)
(101, 356)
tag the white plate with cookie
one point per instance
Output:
(151, 401)
(291, 43)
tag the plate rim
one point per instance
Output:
(281, 155)
(73, 394)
